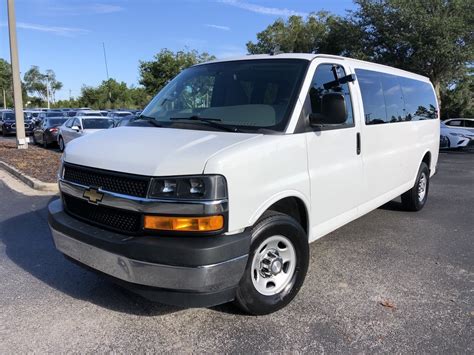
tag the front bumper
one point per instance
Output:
(184, 271)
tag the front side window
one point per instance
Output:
(248, 95)
(324, 75)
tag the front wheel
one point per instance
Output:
(415, 198)
(61, 144)
(277, 264)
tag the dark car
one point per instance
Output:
(125, 121)
(46, 132)
(8, 124)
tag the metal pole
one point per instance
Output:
(21, 141)
(105, 59)
(47, 90)
(4, 99)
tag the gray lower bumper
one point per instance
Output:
(205, 278)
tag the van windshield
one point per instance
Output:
(248, 95)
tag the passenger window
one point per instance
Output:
(372, 96)
(456, 123)
(394, 104)
(325, 73)
(420, 101)
(390, 98)
(69, 123)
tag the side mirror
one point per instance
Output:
(333, 110)
(76, 128)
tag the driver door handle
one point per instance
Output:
(358, 143)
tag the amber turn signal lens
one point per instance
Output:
(184, 224)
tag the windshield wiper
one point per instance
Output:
(213, 122)
(148, 119)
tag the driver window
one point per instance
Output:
(325, 73)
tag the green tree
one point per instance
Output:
(296, 35)
(38, 84)
(5, 82)
(430, 37)
(458, 97)
(155, 74)
(112, 94)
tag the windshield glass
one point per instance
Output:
(248, 94)
(11, 116)
(97, 123)
(56, 121)
(54, 114)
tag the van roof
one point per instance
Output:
(309, 56)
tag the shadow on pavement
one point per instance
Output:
(29, 245)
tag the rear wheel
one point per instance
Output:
(415, 198)
(277, 264)
(61, 144)
(45, 142)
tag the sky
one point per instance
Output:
(67, 35)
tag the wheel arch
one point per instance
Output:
(292, 203)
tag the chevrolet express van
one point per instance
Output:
(235, 167)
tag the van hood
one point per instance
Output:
(151, 151)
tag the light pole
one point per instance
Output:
(21, 141)
(47, 90)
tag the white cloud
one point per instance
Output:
(263, 9)
(88, 9)
(218, 27)
(57, 30)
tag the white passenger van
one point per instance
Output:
(235, 167)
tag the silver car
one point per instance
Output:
(76, 127)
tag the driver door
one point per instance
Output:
(334, 156)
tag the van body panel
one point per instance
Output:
(277, 164)
(150, 151)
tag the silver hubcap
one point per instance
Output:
(273, 265)
(422, 187)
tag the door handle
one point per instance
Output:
(358, 143)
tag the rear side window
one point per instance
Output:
(389, 98)
(420, 101)
(456, 123)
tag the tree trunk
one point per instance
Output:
(437, 88)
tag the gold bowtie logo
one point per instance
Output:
(93, 195)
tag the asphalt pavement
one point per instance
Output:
(391, 281)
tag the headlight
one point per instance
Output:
(199, 187)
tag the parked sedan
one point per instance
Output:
(46, 132)
(76, 127)
(455, 137)
(461, 123)
(8, 123)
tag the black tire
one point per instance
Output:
(248, 298)
(61, 144)
(411, 200)
(45, 142)
(3, 132)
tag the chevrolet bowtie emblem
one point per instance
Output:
(93, 195)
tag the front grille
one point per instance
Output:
(126, 184)
(111, 218)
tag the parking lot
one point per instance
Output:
(391, 281)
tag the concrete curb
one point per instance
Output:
(30, 181)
